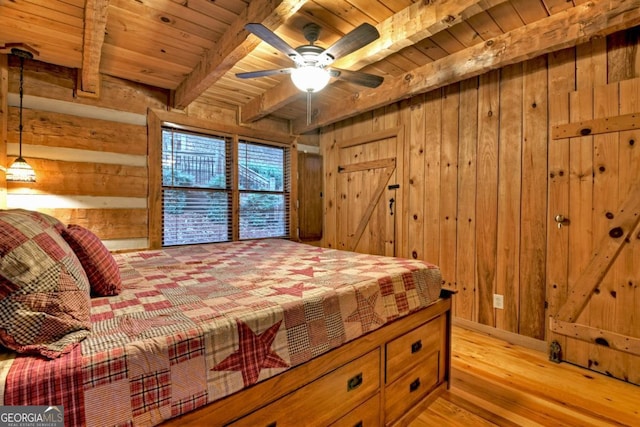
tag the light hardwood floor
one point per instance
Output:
(498, 383)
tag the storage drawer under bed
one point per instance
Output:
(411, 387)
(322, 401)
(410, 349)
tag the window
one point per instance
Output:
(199, 193)
(263, 202)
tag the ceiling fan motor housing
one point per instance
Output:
(311, 55)
(311, 32)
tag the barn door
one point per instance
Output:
(367, 196)
(595, 231)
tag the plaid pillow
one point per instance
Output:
(44, 291)
(100, 266)
(42, 218)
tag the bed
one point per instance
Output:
(258, 332)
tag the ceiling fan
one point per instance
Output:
(312, 72)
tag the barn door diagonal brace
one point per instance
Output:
(623, 225)
(389, 166)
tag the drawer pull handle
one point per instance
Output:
(354, 382)
(414, 385)
(416, 346)
(358, 424)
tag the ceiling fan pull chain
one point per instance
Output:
(309, 107)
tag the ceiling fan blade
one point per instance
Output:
(274, 40)
(263, 73)
(352, 41)
(357, 77)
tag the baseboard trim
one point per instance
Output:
(511, 337)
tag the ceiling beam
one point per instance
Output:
(405, 28)
(95, 23)
(412, 25)
(562, 30)
(273, 99)
(235, 44)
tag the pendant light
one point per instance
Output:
(20, 171)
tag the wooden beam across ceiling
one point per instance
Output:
(95, 22)
(412, 25)
(234, 45)
(403, 29)
(562, 30)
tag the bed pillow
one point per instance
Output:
(100, 266)
(44, 291)
(55, 222)
(41, 217)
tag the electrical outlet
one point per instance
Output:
(498, 301)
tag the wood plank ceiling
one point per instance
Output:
(195, 47)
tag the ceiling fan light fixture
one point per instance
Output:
(310, 78)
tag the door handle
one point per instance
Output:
(560, 219)
(391, 202)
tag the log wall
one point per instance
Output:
(90, 155)
(477, 160)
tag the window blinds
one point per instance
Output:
(264, 190)
(198, 191)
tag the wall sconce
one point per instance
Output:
(20, 171)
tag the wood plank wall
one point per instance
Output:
(478, 165)
(90, 155)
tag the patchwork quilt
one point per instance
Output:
(195, 324)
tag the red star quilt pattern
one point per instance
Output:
(254, 353)
(295, 290)
(365, 312)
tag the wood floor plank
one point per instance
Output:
(446, 413)
(518, 405)
(495, 382)
(483, 415)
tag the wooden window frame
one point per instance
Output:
(157, 119)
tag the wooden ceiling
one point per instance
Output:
(195, 47)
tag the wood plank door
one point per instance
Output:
(309, 196)
(595, 308)
(367, 196)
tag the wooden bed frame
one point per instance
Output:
(386, 377)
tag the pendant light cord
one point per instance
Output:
(21, 93)
(308, 107)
